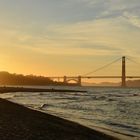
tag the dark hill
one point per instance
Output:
(19, 79)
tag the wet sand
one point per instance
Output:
(20, 123)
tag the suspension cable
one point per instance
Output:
(130, 59)
(100, 68)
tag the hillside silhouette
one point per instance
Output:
(7, 78)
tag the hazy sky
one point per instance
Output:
(68, 37)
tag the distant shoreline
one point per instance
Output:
(5, 89)
(112, 87)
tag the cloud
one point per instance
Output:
(113, 9)
(65, 11)
(92, 25)
(134, 20)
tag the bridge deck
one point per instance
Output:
(89, 77)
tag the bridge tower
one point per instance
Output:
(79, 82)
(65, 80)
(123, 72)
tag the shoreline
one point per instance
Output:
(23, 123)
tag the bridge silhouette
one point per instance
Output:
(78, 79)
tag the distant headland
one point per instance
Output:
(7, 78)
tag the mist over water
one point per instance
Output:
(115, 109)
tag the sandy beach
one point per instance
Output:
(20, 123)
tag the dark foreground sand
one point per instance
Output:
(21, 123)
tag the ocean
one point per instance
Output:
(112, 109)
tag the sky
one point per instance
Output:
(68, 37)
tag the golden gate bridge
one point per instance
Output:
(78, 79)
